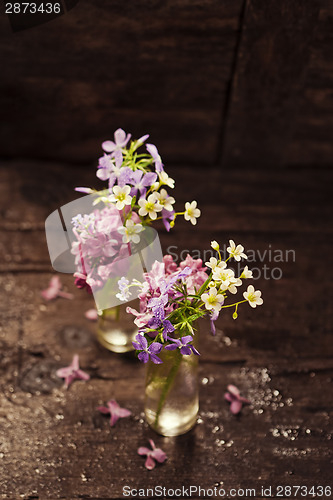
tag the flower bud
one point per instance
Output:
(215, 246)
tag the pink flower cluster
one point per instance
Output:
(99, 249)
(158, 279)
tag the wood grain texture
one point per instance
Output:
(160, 67)
(53, 443)
(312, 136)
(281, 102)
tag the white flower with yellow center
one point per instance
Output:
(165, 200)
(212, 300)
(224, 276)
(237, 252)
(246, 273)
(149, 206)
(130, 231)
(214, 263)
(233, 284)
(253, 296)
(192, 212)
(166, 180)
(121, 196)
(215, 246)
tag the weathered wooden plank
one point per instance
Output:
(37, 188)
(313, 131)
(278, 39)
(67, 449)
(161, 67)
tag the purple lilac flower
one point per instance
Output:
(236, 400)
(120, 141)
(141, 344)
(153, 454)
(167, 217)
(183, 345)
(157, 323)
(84, 190)
(105, 167)
(157, 305)
(141, 181)
(124, 293)
(180, 275)
(213, 318)
(152, 150)
(115, 411)
(112, 169)
(143, 138)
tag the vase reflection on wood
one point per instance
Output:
(172, 393)
(115, 329)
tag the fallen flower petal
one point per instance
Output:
(153, 454)
(54, 290)
(115, 411)
(72, 372)
(235, 399)
(91, 314)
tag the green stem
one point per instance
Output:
(235, 304)
(169, 381)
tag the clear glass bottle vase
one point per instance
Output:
(115, 328)
(172, 393)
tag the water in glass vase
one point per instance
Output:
(115, 328)
(171, 396)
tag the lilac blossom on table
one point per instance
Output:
(154, 454)
(115, 411)
(72, 372)
(236, 400)
(91, 314)
(54, 290)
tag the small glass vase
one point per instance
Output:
(115, 328)
(172, 393)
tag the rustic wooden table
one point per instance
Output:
(53, 442)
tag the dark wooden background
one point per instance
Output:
(244, 87)
(231, 82)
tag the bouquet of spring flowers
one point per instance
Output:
(172, 298)
(136, 195)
